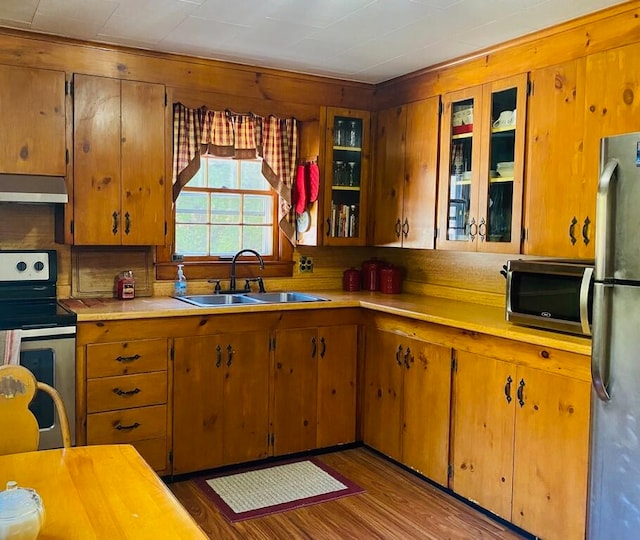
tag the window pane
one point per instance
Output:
(192, 239)
(225, 239)
(198, 178)
(225, 208)
(260, 239)
(258, 209)
(191, 207)
(223, 173)
(251, 177)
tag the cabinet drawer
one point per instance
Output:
(126, 391)
(154, 452)
(127, 425)
(126, 357)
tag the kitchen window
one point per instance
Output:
(227, 206)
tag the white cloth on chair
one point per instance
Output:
(10, 346)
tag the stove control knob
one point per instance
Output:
(39, 266)
(21, 266)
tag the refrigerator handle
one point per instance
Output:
(600, 360)
(585, 287)
(605, 213)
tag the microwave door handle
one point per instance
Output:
(605, 211)
(585, 286)
(600, 360)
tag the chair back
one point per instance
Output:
(18, 425)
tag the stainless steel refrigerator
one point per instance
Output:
(614, 479)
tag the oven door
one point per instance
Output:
(49, 353)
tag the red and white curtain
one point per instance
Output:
(198, 132)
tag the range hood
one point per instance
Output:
(24, 188)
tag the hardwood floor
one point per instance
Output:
(396, 505)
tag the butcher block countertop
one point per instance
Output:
(464, 315)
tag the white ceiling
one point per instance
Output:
(361, 40)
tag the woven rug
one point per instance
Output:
(275, 488)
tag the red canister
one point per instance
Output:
(371, 274)
(391, 280)
(351, 279)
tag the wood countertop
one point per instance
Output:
(464, 315)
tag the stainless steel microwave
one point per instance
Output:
(551, 294)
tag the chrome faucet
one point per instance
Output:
(232, 278)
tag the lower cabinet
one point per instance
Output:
(406, 401)
(314, 403)
(221, 400)
(520, 444)
(126, 397)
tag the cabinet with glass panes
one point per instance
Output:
(346, 163)
(482, 162)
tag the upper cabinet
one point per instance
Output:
(404, 190)
(119, 168)
(481, 168)
(32, 108)
(346, 174)
(559, 206)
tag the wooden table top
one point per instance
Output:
(99, 492)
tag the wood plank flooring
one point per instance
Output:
(396, 505)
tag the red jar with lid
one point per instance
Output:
(126, 286)
(391, 280)
(371, 274)
(351, 280)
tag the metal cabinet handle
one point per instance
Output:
(328, 227)
(521, 393)
(229, 355)
(398, 355)
(218, 356)
(114, 230)
(507, 389)
(314, 347)
(572, 231)
(128, 358)
(323, 350)
(398, 228)
(133, 392)
(481, 226)
(473, 229)
(585, 231)
(405, 227)
(120, 427)
(127, 223)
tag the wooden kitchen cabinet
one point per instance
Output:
(346, 177)
(481, 167)
(405, 176)
(119, 172)
(520, 444)
(559, 202)
(221, 397)
(406, 401)
(314, 388)
(32, 108)
(127, 397)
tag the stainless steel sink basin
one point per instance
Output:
(285, 297)
(211, 300)
(219, 300)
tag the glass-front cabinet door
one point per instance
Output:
(346, 177)
(481, 199)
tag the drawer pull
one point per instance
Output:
(407, 355)
(314, 347)
(398, 355)
(126, 392)
(128, 358)
(521, 393)
(120, 427)
(229, 355)
(218, 356)
(323, 350)
(507, 389)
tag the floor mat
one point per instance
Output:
(275, 488)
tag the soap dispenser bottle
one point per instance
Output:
(180, 285)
